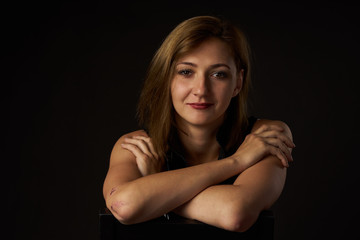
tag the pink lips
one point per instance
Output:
(200, 106)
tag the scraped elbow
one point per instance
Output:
(122, 212)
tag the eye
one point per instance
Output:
(185, 72)
(219, 74)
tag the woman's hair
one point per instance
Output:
(155, 110)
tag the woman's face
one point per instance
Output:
(204, 82)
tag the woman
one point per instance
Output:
(200, 156)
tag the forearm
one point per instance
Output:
(223, 206)
(236, 207)
(152, 196)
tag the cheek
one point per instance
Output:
(224, 95)
(179, 90)
(224, 91)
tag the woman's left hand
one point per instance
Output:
(147, 159)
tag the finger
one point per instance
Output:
(278, 153)
(152, 150)
(146, 139)
(279, 144)
(142, 160)
(150, 145)
(134, 150)
(141, 144)
(266, 127)
(279, 135)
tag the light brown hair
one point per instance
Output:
(155, 110)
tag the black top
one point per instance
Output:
(175, 157)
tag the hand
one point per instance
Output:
(147, 159)
(267, 140)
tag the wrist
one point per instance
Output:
(238, 163)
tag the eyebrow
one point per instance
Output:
(212, 66)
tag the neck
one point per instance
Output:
(199, 143)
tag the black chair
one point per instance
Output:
(176, 227)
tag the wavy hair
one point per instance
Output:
(155, 110)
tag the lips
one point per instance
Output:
(200, 106)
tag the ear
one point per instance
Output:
(239, 83)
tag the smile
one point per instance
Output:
(200, 106)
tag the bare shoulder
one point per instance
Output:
(129, 135)
(132, 134)
(267, 122)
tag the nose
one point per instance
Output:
(200, 87)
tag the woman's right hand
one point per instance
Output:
(147, 159)
(269, 139)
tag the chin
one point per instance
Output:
(202, 122)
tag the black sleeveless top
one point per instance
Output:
(175, 158)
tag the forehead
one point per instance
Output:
(210, 51)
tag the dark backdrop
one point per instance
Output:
(71, 79)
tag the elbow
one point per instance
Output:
(238, 220)
(122, 211)
(237, 224)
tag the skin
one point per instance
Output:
(135, 188)
(207, 75)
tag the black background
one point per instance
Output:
(71, 79)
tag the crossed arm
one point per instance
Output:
(236, 207)
(193, 192)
